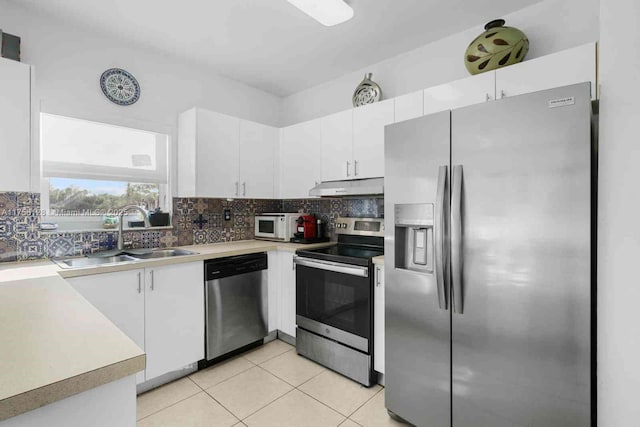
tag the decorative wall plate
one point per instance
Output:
(367, 92)
(119, 86)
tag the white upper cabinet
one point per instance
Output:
(575, 65)
(460, 93)
(217, 155)
(409, 106)
(223, 156)
(299, 155)
(337, 146)
(257, 159)
(15, 125)
(368, 138)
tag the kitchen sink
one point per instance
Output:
(94, 262)
(163, 253)
(118, 257)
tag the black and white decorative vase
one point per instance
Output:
(367, 92)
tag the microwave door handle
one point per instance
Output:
(440, 232)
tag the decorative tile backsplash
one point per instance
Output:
(195, 221)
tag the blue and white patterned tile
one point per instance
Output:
(32, 249)
(214, 235)
(199, 221)
(214, 205)
(8, 250)
(60, 245)
(200, 206)
(150, 239)
(8, 203)
(85, 243)
(168, 239)
(29, 203)
(183, 206)
(241, 221)
(27, 227)
(7, 227)
(228, 234)
(215, 220)
(200, 237)
(107, 240)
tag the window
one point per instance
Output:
(90, 169)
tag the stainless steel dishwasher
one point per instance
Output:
(236, 303)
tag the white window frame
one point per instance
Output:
(82, 223)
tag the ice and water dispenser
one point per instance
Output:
(414, 237)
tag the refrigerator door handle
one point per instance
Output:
(440, 229)
(456, 239)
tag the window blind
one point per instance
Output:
(73, 148)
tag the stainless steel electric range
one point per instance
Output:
(334, 299)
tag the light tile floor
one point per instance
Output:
(270, 386)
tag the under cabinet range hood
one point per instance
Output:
(356, 187)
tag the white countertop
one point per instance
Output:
(56, 344)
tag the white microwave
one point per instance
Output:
(276, 226)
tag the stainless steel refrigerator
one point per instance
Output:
(488, 264)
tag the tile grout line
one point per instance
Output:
(169, 406)
(367, 401)
(269, 403)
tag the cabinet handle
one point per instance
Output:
(488, 98)
(377, 277)
(237, 187)
(355, 168)
(502, 94)
(151, 275)
(139, 282)
(348, 164)
(244, 188)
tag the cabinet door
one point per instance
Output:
(460, 93)
(217, 155)
(287, 294)
(15, 125)
(273, 292)
(563, 68)
(337, 146)
(409, 106)
(378, 321)
(174, 314)
(368, 138)
(300, 148)
(257, 159)
(120, 297)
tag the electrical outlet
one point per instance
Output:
(227, 214)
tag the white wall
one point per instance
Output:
(619, 205)
(69, 60)
(551, 25)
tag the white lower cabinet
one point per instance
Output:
(161, 309)
(174, 317)
(378, 320)
(282, 292)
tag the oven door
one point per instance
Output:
(268, 227)
(334, 300)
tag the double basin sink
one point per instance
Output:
(120, 257)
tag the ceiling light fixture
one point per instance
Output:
(326, 12)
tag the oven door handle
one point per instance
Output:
(336, 267)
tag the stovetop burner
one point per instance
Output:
(359, 241)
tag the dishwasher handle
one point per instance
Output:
(233, 266)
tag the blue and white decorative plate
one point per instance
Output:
(119, 86)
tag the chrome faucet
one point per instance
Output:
(123, 212)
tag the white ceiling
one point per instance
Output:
(270, 44)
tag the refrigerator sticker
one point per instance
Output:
(562, 102)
